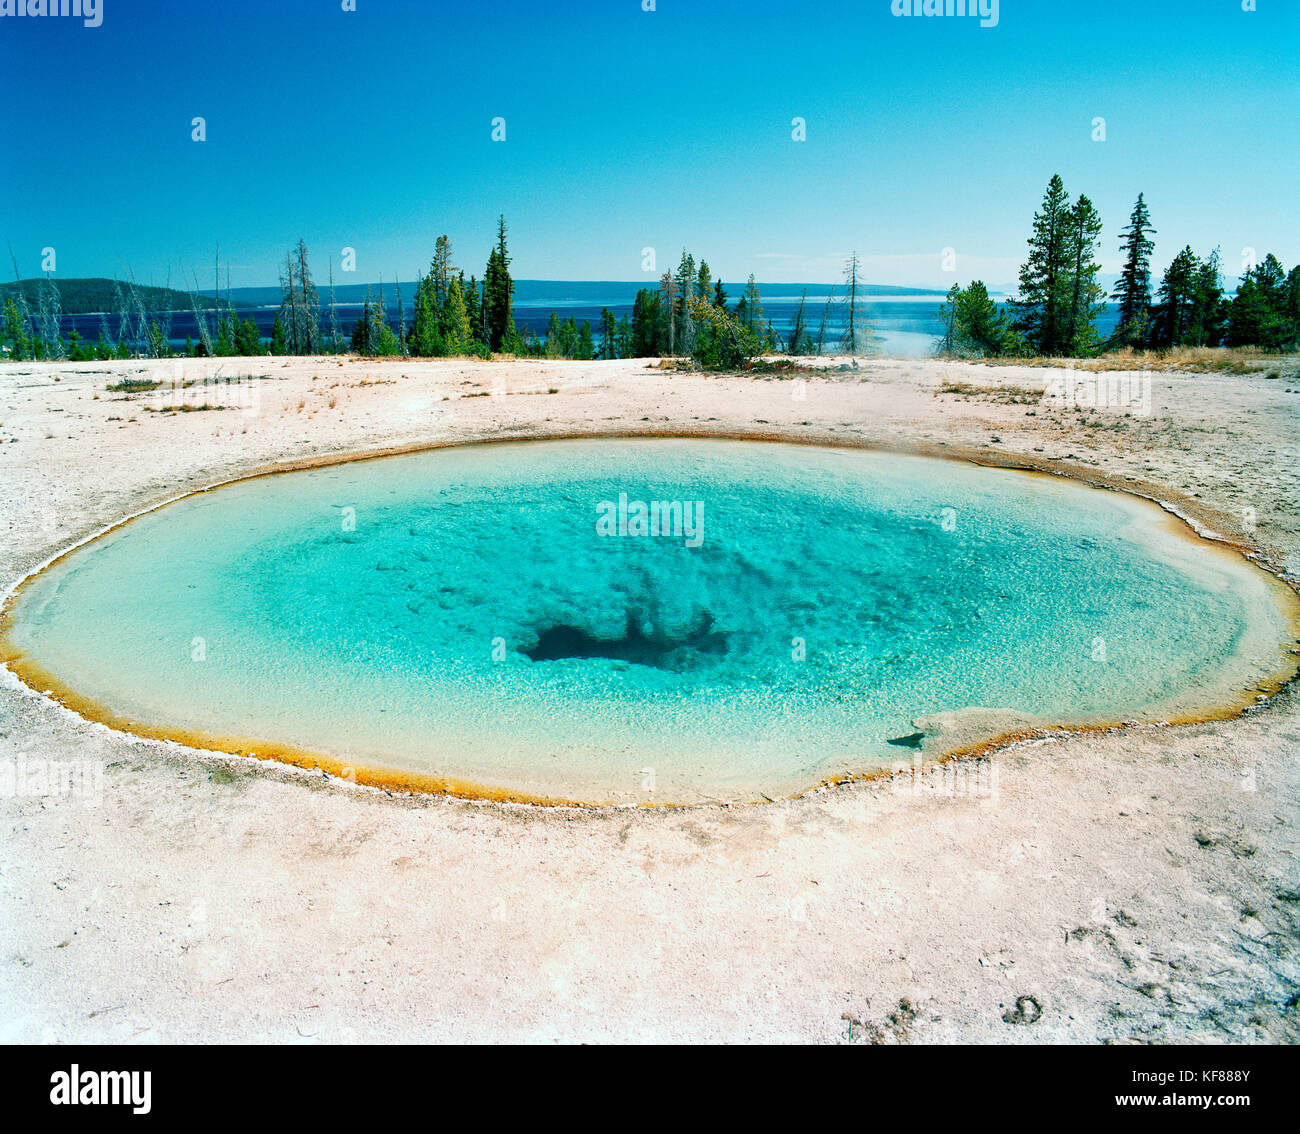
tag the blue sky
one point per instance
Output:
(626, 129)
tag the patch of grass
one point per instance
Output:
(134, 386)
(1205, 360)
(1004, 395)
(779, 366)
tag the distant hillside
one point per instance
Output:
(89, 296)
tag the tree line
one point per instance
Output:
(688, 315)
(1059, 297)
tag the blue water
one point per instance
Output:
(903, 326)
(490, 614)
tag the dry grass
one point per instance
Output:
(1221, 360)
(1005, 395)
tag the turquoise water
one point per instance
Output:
(464, 613)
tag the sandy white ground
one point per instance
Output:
(1139, 885)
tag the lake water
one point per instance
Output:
(903, 326)
(491, 619)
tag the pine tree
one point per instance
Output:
(1257, 315)
(361, 332)
(723, 342)
(645, 330)
(857, 332)
(225, 338)
(15, 331)
(1176, 293)
(279, 345)
(753, 314)
(334, 317)
(248, 339)
(1208, 311)
(307, 313)
(51, 318)
(704, 281)
(472, 307)
(668, 306)
(1086, 294)
(1041, 305)
(1133, 291)
(440, 271)
(455, 322)
(608, 334)
(799, 342)
(826, 314)
(1291, 308)
(498, 294)
(685, 281)
(982, 325)
(554, 336)
(289, 306)
(425, 339)
(950, 344)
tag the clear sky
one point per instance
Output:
(626, 129)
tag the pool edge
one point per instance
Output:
(1181, 520)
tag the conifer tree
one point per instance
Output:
(753, 311)
(15, 331)
(455, 322)
(425, 339)
(1176, 293)
(1208, 311)
(1042, 302)
(668, 306)
(472, 307)
(1257, 315)
(686, 281)
(950, 344)
(279, 344)
(704, 281)
(440, 271)
(608, 334)
(986, 329)
(1133, 291)
(334, 317)
(1085, 293)
(799, 342)
(646, 341)
(498, 294)
(857, 332)
(308, 313)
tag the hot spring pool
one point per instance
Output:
(493, 620)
